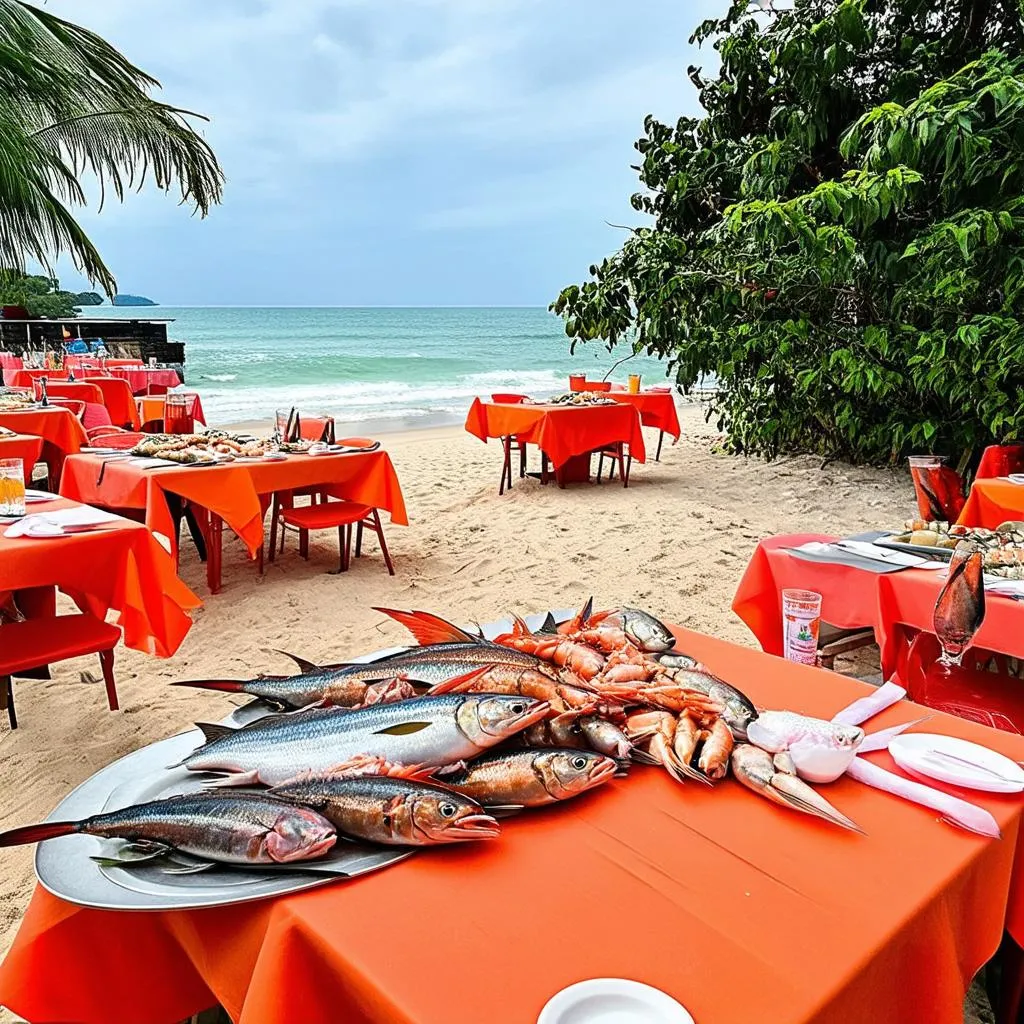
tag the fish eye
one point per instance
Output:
(447, 810)
(579, 762)
(518, 708)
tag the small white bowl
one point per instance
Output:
(612, 1001)
(911, 753)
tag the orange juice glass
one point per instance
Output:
(12, 487)
(634, 383)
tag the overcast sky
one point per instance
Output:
(394, 152)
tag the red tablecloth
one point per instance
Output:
(140, 377)
(61, 432)
(233, 491)
(23, 378)
(79, 391)
(117, 397)
(120, 568)
(656, 408)
(22, 446)
(741, 910)
(993, 501)
(150, 409)
(561, 432)
(889, 603)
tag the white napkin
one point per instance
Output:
(319, 449)
(873, 551)
(1016, 478)
(51, 524)
(1010, 588)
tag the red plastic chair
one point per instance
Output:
(327, 515)
(95, 416)
(156, 389)
(114, 437)
(180, 412)
(1000, 460)
(38, 642)
(995, 699)
(511, 443)
(77, 409)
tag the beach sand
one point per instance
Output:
(675, 542)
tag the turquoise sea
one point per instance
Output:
(415, 366)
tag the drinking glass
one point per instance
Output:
(960, 608)
(12, 487)
(576, 381)
(801, 621)
(937, 487)
(634, 383)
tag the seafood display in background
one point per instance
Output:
(818, 751)
(390, 811)
(228, 828)
(435, 730)
(1002, 548)
(577, 398)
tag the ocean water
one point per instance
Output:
(414, 366)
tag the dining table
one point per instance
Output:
(567, 435)
(738, 908)
(60, 430)
(896, 605)
(994, 501)
(657, 409)
(150, 409)
(117, 567)
(235, 493)
(26, 447)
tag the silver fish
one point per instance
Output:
(232, 828)
(738, 709)
(437, 730)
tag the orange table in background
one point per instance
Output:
(22, 446)
(118, 568)
(231, 493)
(993, 501)
(151, 409)
(117, 397)
(560, 431)
(743, 911)
(657, 409)
(61, 432)
(895, 605)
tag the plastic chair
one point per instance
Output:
(510, 443)
(618, 456)
(38, 642)
(156, 389)
(77, 409)
(179, 412)
(95, 416)
(1000, 460)
(326, 515)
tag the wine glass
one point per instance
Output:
(960, 608)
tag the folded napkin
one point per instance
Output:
(52, 524)
(868, 550)
(1016, 478)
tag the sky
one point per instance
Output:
(394, 152)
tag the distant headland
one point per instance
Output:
(132, 300)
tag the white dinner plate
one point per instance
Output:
(613, 1001)
(32, 495)
(991, 772)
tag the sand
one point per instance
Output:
(676, 542)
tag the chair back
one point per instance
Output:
(95, 415)
(995, 699)
(179, 412)
(76, 408)
(316, 428)
(503, 398)
(1000, 460)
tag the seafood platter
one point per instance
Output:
(1002, 548)
(579, 398)
(15, 401)
(345, 768)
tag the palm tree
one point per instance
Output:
(71, 103)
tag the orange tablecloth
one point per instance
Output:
(559, 431)
(117, 397)
(656, 408)
(22, 446)
(993, 501)
(233, 491)
(741, 910)
(890, 603)
(120, 569)
(151, 408)
(60, 430)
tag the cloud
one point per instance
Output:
(378, 125)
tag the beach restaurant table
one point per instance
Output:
(562, 432)
(119, 568)
(740, 909)
(231, 493)
(896, 605)
(992, 501)
(26, 447)
(151, 409)
(657, 409)
(60, 430)
(140, 378)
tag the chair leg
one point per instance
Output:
(107, 665)
(622, 467)
(543, 468)
(657, 454)
(600, 465)
(522, 460)
(359, 540)
(629, 467)
(304, 543)
(612, 463)
(7, 699)
(275, 507)
(378, 527)
(506, 464)
(342, 548)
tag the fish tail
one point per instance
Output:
(430, 629)
(37, 833)
(460, 684)
(226, 685)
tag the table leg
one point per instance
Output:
(214, 538)
(661, 437)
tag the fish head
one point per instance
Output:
(676, 659)
(565, 773)
(737, 711)
(647, 632)
(607, 738)
(299, 833)
(487, 718)
(451, 818)
(851, 736)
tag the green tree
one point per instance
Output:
(70, 104)
(39, 296)
(840, 240)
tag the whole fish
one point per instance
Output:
(393, 811)
(738, 710)
(345, 684)
(531, 778)
(426, 730)
(642, 629)
(232, 828)
(818, 751)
